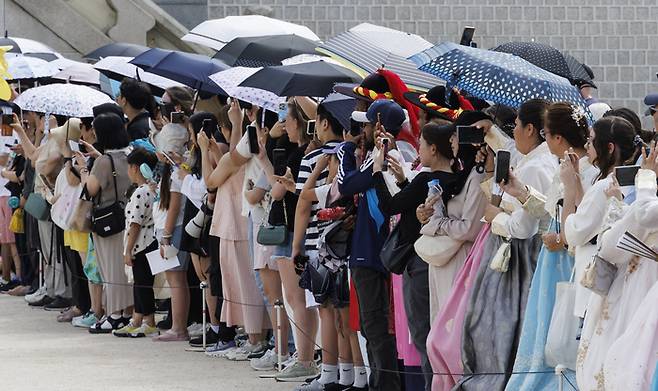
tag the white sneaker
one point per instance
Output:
(242, 353)
(268, 362)
(195, 330)
(36, 296)
(297, 372)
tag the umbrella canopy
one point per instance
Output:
(186, 68)
(367, 47)
(63, 63)
(341, 107)
(307, 79)
(30, 48)
(118, 68)
(71, 100)
(495, 76)
(230, 79)
(216, 33)
(548, 58)
(79, 74)
(264, 51)
(116, 49)
(23, 67)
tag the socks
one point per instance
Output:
(346, 374)
(329, 374)
(360, 377)
(214, 328)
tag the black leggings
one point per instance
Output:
(215, 279)
(143, 285)
(79, 283)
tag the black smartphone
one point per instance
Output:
(208, 128)
(310, 128)
(279, 161)
(467, 36)
(166, 109)
(355, 128)
(502, 165)
(626, 175)
(252, 134)
(470, 135)
(177, 117)
(385, 142)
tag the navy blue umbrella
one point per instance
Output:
(341, 107)
(494, 76)
(186, 68)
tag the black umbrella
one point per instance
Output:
(307, 79)
(121, 49)
(550, 59)
(264, 51)
(341, 107)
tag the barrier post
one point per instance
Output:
(203, 287)
(559, 372)
(278, 306)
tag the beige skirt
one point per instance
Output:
(109, 255)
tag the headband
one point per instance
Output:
(452, 114)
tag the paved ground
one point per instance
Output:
(37, 353)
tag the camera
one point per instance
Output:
(200, 220)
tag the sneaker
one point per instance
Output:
(267, 362)
(211, 339)
(145, 331)
(107, 324)
(220, 349)
(297, 372)
(164, 324)
(86, 321)
(44, 300)
(195, 330)
(4, 288)
(315, 385)
(59, 304)
(126, 331)
(242, 353)
(36, 296)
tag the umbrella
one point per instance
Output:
(121, 49)
(186, 68)
(70, 100)
(216, 33)
(118, 68)
(341, 107)
(550, 59)
(22, 67)
(79, 74)
(307, 79)
(30, 48)
(264, 51)
(494, 76)
(366, 47)
(63, 63)
(230, 79)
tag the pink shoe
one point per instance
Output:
(171, 336)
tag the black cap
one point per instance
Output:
(469, 117)
(109, 107)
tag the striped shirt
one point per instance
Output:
(314, 229)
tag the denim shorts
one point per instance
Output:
(283, 250)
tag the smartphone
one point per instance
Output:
(355, 128)
(208, 128)
(252, 134)
(310, 128)
(470, 135)
(177, 117)
(502, 165)
(467, 36)
(166, 109)
(283, 112)
(385, 142)
(279, 161)
(169, 159)
(626, 175)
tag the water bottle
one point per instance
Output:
(434, 188)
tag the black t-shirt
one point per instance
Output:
(277, 216)
(139, 128)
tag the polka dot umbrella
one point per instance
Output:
(494, 76)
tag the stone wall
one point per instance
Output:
(617, 38)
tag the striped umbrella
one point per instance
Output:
(366, 47)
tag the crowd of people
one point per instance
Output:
(385, 249)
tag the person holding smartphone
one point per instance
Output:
(133, 99)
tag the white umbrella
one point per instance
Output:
(230, 79)
(216, 33)
(116, 67)
(23, 67)
(80, 73)
(63, 63)
(30, 48)
(70, 100)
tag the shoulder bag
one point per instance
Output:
(395, 254)
(109, 220)
(273, 235)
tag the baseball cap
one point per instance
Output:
(391, 114)
(650, 100)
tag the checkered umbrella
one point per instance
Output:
(494, 76)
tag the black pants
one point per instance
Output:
(417, 305)
(215, 280)
(79, 282)
(373, 294)
(143, 282)
(33, 249)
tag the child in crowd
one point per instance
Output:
(139, 239)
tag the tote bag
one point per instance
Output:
(562, 343)
(62, 209)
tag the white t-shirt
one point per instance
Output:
(252, 171)
(160, 216)
(140, 211)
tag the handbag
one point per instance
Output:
(437, 250)
(111, 219)
(80, 218)
(394, 254)
(562, 341)
(500, 260)
(37, 207)
(599, 276)
(16, 224)
(273, 235)
(63, 208)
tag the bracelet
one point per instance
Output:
(488, 172)
(167, 236)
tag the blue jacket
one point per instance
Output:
(367, 239)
